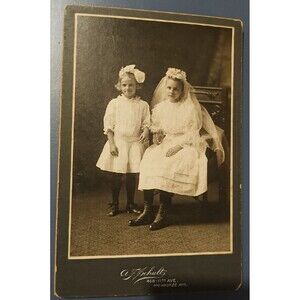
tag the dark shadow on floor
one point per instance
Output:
(194, 227)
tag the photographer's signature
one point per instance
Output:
(145, 273)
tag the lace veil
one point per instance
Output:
(204, 119)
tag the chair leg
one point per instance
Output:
(205, 196)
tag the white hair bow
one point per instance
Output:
(138, 75)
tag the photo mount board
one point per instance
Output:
(96, 276)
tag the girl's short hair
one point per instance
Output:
(130, 75)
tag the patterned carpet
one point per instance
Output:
(194, 228)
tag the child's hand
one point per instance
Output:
(114, 150)
(173, 150)
(158, 137)
(144, 137)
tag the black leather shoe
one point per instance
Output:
(138, 222)
(136, 210)
(156, 225)
(161, 216)
(143, 219)
(147, 215)
(113, 212)
(132, 208)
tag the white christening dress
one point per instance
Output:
(184, 173)
(126, 118)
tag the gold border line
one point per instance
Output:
(231, 140)
(72, 142)
(150, 20)
(159, 11)
(145, 255)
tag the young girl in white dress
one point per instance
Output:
(176, 162)
(126, 124)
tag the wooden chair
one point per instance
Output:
(215, 100)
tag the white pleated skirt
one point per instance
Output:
(184, 173)
(128, 161)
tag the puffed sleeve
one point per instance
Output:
(155, 120)
(110, 117)
(146, 116)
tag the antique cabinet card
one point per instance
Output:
(199, 247)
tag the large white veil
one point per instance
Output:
(205, 121)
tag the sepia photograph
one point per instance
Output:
(149, 143)
(151, 137)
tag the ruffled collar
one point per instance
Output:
(179, 103)
(174, 102)
(122, 97)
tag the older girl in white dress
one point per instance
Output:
(126, 124)
(176, 162)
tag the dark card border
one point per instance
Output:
(75, 278)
